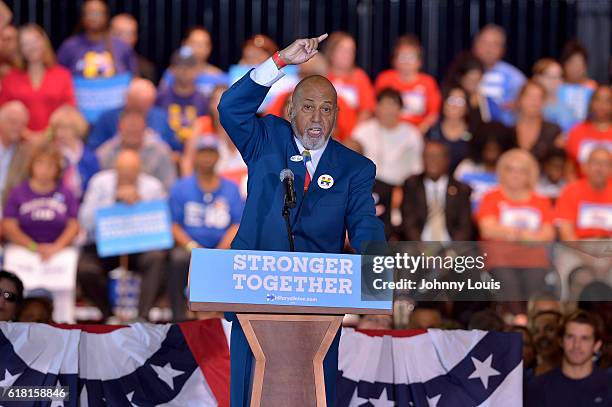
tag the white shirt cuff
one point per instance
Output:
(267, 73)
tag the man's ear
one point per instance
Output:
(290, 111)
(597, 346)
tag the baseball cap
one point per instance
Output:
(207, 142)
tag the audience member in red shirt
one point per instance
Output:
(420, 92)
(40, 83)
(513, 211)
(595, 131)
(584, 207)
(351, 82)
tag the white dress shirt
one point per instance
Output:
(435, 190)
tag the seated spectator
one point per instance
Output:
(466, 72)
(208, 76)
(544, 326)
(346, 117)
(93, 52)
(595, 131)
(125, 27)
(513, 211)
(425, 316)
(436, 207)
(41, 214)
(419, 91)
(125, 183)
(478, 170)
(257, 49)
(548, 73)
(453, 128)
(230, 166)
(67, 129)
(37, 307)
(577, 88)
(584, 207)
(39, 82)
(9, 55)
(13, 121)
(140, 97)
(501, 82)
(206, 211)
(531, 132)
(11, 296)
(351, 82)
(577, 382)
(395, 147)
(552, 181)
(134, 135)
(182, 101)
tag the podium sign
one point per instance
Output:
(278, 282)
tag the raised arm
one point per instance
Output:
(239, 104)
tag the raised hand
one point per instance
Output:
(301, 50)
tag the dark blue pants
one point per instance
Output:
(241, 360)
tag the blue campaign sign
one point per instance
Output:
(124, 229)
(96, 95)
(223, 277)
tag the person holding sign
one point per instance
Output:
(206, 212)
(333, 183)
(128, 184)
(40, 213)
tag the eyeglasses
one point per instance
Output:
(8, 295)
(455, 101)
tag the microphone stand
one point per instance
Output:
(288, 224)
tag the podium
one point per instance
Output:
(290, 306)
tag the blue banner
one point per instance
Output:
(94, 96)
(278, 278)
(124, 229)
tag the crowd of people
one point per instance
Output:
(489, 153)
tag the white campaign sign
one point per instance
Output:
(57, 273)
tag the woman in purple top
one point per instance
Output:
(94, 53)
(40, 213)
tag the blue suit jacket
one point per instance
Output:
(320, 219)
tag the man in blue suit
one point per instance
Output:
(333, 183)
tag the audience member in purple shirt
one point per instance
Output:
(40, 213)
(182, 100)
(94, 53)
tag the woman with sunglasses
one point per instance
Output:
(11, 295)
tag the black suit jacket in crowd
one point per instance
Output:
(458, 210)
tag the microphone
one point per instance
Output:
(286, 177)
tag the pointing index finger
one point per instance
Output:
(320, 38)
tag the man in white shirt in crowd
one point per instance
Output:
(396, 147)
(128, 184)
